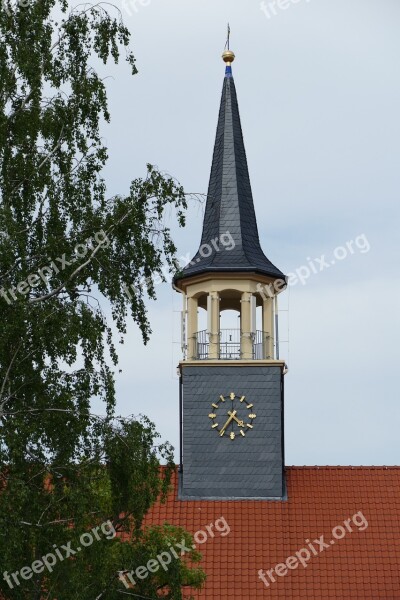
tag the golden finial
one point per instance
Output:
(228, 56)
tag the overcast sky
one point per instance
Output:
(318, 84)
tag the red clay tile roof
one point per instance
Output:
(363, 564)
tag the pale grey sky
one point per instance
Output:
(318, 85)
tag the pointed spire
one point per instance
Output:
(229, 212)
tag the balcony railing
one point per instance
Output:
(229, 344)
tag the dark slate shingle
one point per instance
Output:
(230, 206)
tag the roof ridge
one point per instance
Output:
(342, 467)
(329, 467)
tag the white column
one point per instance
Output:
(276, 324)
(246, 339)
(213, 319)
(268, 327)
(192, 327)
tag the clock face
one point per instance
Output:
(232, 416)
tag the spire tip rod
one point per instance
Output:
(228, 56)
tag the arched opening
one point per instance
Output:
(229, 340)
(202, 336)
(202, 318)
(229, 333)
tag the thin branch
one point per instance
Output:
(2, 402)
(57, 290)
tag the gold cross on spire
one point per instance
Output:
(228, 56)
(227, 38)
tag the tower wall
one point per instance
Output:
(250, 466)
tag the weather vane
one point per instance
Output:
(228, 56)
(227, 39)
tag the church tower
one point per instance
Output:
(231, 380)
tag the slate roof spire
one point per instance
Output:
(229, 209)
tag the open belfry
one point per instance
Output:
(231, 380)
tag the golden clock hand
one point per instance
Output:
(232, 416)
(240, 423)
